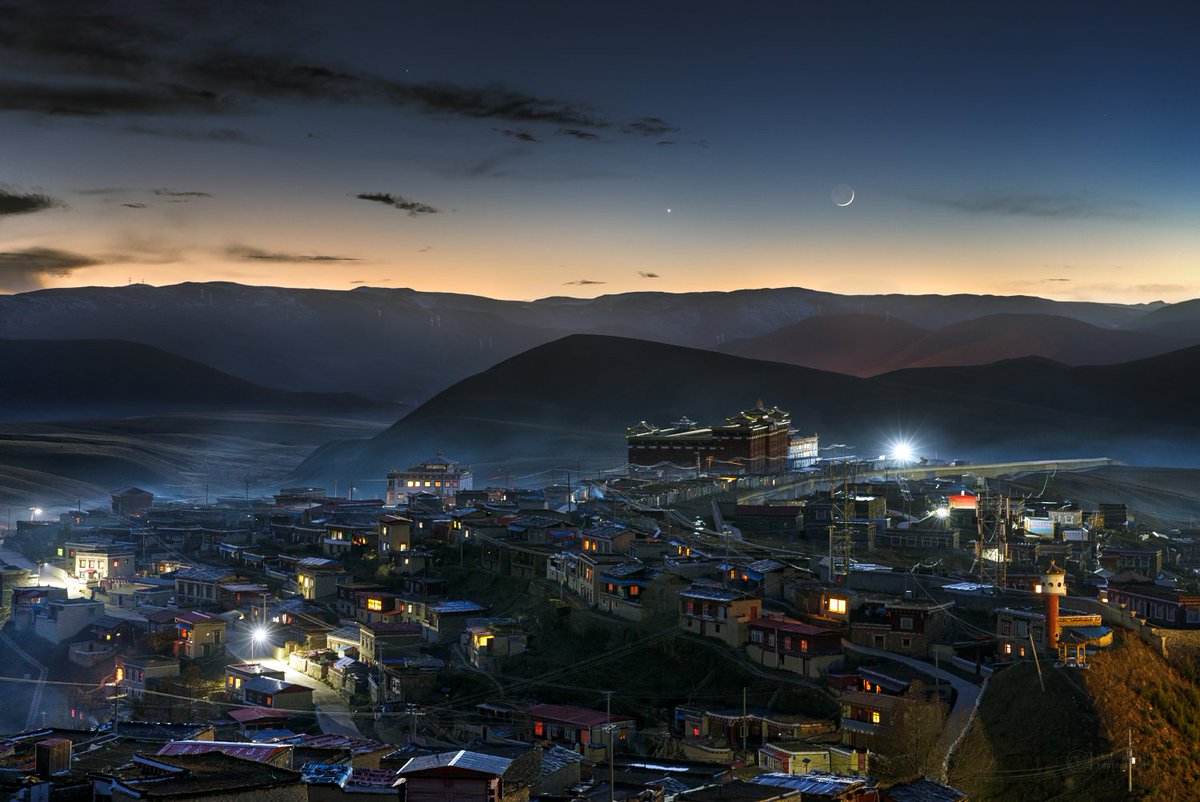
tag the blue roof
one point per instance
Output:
(460, 606)
(814, 782)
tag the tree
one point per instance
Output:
(908, 745)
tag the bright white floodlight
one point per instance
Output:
(942, 512)
(902, 452)
(258, 634)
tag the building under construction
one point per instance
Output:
(753, 441)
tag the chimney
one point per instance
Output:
(51, 756)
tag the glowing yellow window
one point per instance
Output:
(837, 606)
(374, 604)
(875, 717)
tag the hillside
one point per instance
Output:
(866, 345)
(1159, 389)
(859, 345)
(1068, 742)
(403, 345)
(573, 399)
(56, 379)
(993, 338)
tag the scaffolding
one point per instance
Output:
(841, 528)
(993, 512)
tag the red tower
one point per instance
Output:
(1054, 584)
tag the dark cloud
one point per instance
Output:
(249, 254)
(584, 282)
(96, 100)
(233, 136)
(1052, 280)
(1050, 205)
(515, 133)
(645, 274)
(26, 269)
(426, 249)
(170, 193)
(649, 126)
(161, 66)
(577, 133)
(666, 142)
(15, 202)
(414, 208)
(134, 205)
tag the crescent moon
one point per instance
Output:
(839, 195)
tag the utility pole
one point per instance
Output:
(745, 723)
(1130, 761)
(608, 726)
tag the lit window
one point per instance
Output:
(695, 732)
(539, 728)
(374, 604)
(837, 606)
(874, 716)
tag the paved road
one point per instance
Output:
(966, 693)
(333, 716)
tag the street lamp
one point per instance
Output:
(34, 512)
(257, 635)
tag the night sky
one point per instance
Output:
(522, 150)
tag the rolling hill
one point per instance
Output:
(61, 379)
(1158, 389)
(866, 345)
(403, 345)
(859, 345)
(572, 399)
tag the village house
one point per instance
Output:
(865, 716)
(459, 775)
(606, 537)
(1145, 560)
(763, 578)
(61, 619)
(489, 641)
(197, 587)
(717, 613)
(201, 635)
(238, 674)
(445, 620)
(380, 641)
(395, 533)
(136, 674)
(793, 646)
(1164, 607)
(905, 626)
(579, 728)
(100, 561)
(621, 588)
(799, 757)
(277, 694)
(129, 501)
(212, 777)
(317, 578)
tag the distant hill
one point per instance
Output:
(1158, 389)
(865, 345)
(860, 345)
(403, 345)
(58, 379)
(573, 398)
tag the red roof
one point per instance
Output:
(260, 753)
(580, 716)
(243, 715)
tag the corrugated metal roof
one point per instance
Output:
(814, 782)
(462, 759)
(260, 753)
